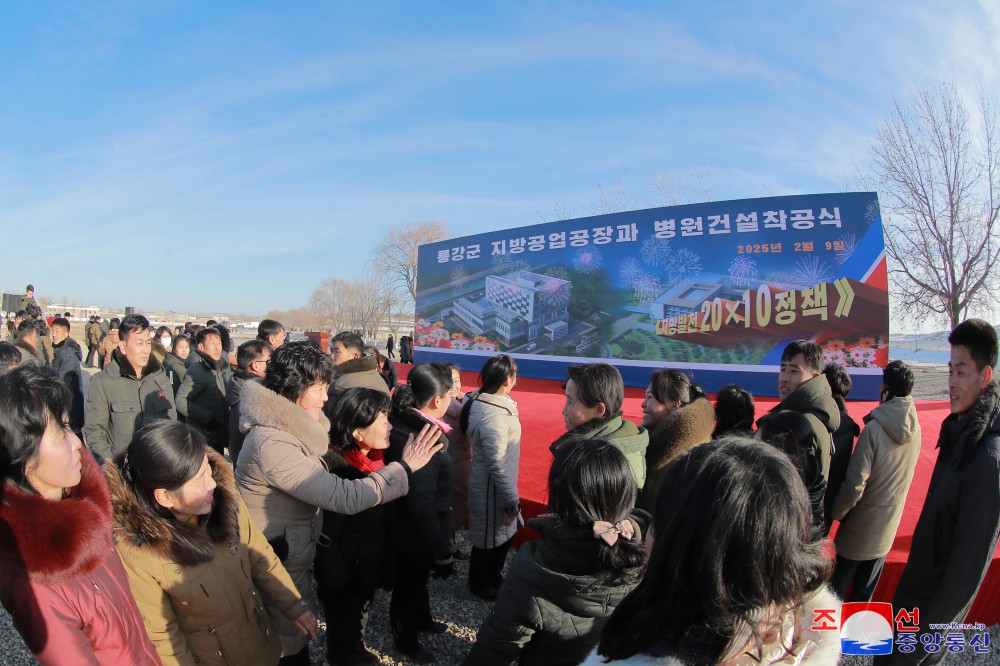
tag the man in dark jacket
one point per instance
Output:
(66, 362)
(354, 368)
(957, 531)
(201, 398)
(803, 388)
(131, 390)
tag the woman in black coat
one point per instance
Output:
(354, 557)
(423, 520)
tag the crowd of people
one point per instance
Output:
(182, 512)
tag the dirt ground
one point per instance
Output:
(931, 381)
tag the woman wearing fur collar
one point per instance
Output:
(678, 417)
(728, 581)
(282, 480)
(199, 568)
(60, 578)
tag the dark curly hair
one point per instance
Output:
(295, 366)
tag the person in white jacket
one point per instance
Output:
(870, 502)
(490, 419)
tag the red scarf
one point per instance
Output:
(368, 464)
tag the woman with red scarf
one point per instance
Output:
(354, 554)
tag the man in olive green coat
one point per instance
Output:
(130, 391)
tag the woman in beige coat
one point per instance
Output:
(197, 565)
(281, 477)
(869, 505)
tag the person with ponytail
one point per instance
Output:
(735, 576)
(423, 525)
(198, 566)
(354, 556)
(60, 578)
(490, 420)
(562, 587)
(679, 417)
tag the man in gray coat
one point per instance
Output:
(131, 390)
(870, 502)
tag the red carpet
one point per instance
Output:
(540, 404)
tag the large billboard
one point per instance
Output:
(716, 289)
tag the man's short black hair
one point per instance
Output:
(131, 324)
(267, 328)
(980, 338)
(250, 351)
(350, 340)
(202, 335)
(598, 383)
(211, 322)
(21, 314)
(67, 315)
(25, 326)
(898, 379)
(61, 322)
(811, 351)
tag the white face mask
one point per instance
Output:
(166, 341)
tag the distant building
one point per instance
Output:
(77, 312)
(518, 305)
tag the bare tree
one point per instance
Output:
(396, 254)
(674, 190)
(615, 200)
(938, 175)
(329, 304)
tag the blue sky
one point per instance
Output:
(229, 156)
